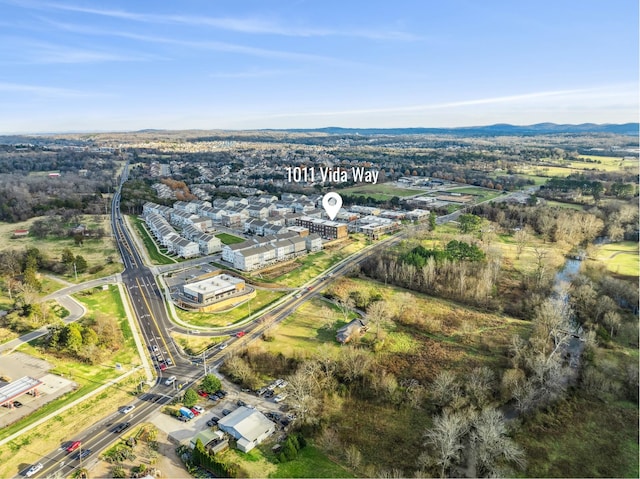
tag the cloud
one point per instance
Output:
(45, 91)
(210, 45)
(241, 25)
(576, 97)
(252, 73)
(41, 53)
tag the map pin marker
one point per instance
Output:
(332, 202)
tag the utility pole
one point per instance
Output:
(75, 270)
(204, 361)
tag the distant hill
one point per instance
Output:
(490, 130)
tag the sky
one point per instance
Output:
(77, 65)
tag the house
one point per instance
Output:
(313, 242)
(249, 426)
(355, 328)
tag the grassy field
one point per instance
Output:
(29, 448)
(383, 191)
(607, 163)
(194, 343)
(620, 258)
(226, 238)
(312, 325)
(480, 194)
(560, 204)
(156, 255)
(582, 438)
(261, 462)
(87, 376)
(226, 318)
(311, 462)
(312, 265)
(95, 251)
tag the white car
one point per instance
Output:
(170, 381)
(200, 409)
(127, 409)
(222, 346)
(283, 384)
(154, 349)
(33, 469)
(280, 398)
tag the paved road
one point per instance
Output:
(76, 311)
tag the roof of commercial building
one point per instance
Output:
(17, 388)
(248, 423)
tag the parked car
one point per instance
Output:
(17, 404)
(280, 398)
(240, 402)
(221, 392)
(202, 393)
(169, 362)
(261, 391)
(163, 367)
(213, 421)
(33, 469)
(214, 397)
(74, 445)
(226, 412)
(200, 409)
(269, 394)
(154, 349)
(121, 427)
(128, 409)
(283, 384)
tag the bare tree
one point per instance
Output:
(303, 393)
(444, 441)
(491, 447)
(378, 314)
(445, 388)
(521, 237)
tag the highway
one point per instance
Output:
(148, 305)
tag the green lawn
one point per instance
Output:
(153, 250)
(263, 298)
(311, 462)
(383, 191)
(226, 238)
(480, 194)
(620, 258)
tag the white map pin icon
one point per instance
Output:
(332, 202)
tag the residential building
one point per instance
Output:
(325, 228)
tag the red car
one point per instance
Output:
(163, 366)
(74, 445)
(202, 393)
(239, 334)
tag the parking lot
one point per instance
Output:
(17, 365)
(182, 432)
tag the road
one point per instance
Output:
(149, 308)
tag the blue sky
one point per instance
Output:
(74, 65)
